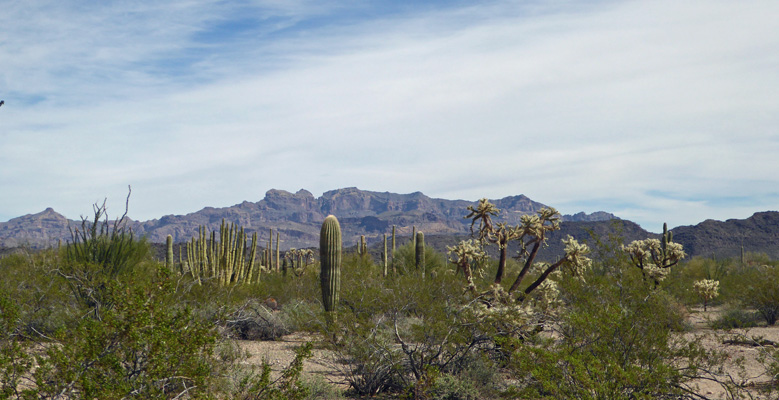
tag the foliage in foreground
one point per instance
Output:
(616, 341)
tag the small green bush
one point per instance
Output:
(288, 386)
(615, 341)
(15, 355)
(760, 291)
(145, 346)
(736, 319)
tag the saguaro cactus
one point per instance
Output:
(393, 249)
(330, 247)
(384, 255)
(420, 252)
(169, 253)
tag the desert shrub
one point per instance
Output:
(45, 304)
(405, 259)
(288, 386)
(759, 291)
(680, 282)
(15, 355)
(736, 318)
(614, 341)
(390, 332)
(111, 246)
(319, 389)
(256, 320)
(99, 253)
(145, 346)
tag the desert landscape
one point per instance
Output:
(499, 313)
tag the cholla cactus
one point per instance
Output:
(463, 255)
(575, 261)
(654, 257)
(532, 235)
(500, 234)
(708, 289)
(547, 296)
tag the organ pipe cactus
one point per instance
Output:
(224, 260)
(330, 248)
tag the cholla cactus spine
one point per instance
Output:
(330, 248)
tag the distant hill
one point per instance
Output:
(298, 217)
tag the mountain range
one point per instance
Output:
(297, 217)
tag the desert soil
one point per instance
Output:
(750, 375)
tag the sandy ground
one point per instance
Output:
(280, 353)
(751, 373)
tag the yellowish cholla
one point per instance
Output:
(707, 288)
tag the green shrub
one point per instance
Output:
(45, 303)
(405, 259)
(15, 356)
(288, 386)
(736, 319)
(615, 341)
(99, 253)
(144, 347)
(255, 320)
(760, 291)
(391, 331)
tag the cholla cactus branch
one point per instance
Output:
(575, 261)
(532, 231)
(482, 213)
(463, 255)
(654, 257)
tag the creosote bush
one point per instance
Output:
(614, 341)
(759, 291)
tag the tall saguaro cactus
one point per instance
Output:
(330, 247)
(169, 253)
(393, 250)
(419, 252)
(384, 254)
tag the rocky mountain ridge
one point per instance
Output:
(296, 217)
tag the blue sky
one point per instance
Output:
(660, 111)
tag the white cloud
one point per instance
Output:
(587, 108)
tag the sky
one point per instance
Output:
(656, 111)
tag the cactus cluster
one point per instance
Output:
(297, 260)
(224, 259)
